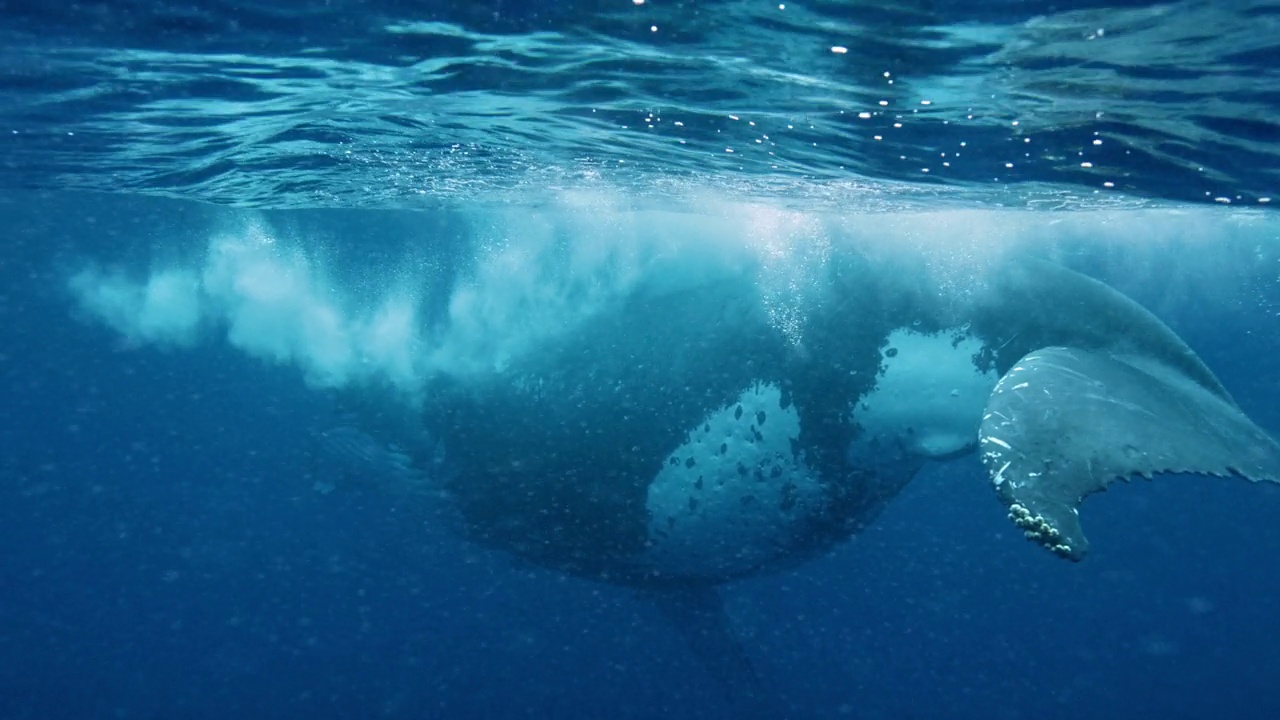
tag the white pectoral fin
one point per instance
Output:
(1066, 422)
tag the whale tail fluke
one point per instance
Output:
(1067, 422)
(697, 613)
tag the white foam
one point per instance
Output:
(534, 276)
(166, 309)
(268, 300)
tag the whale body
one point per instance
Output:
(687, 436)
(683, 435)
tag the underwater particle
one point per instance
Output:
(1199, 605)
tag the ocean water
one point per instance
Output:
(223, 222)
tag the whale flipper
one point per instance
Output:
(1067, 422)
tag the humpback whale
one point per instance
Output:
(682, 436)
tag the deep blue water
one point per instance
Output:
(171, 546)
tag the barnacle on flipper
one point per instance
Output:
(1037, 529)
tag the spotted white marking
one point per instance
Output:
(729, 499)
(998, 441)
(927, 402)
